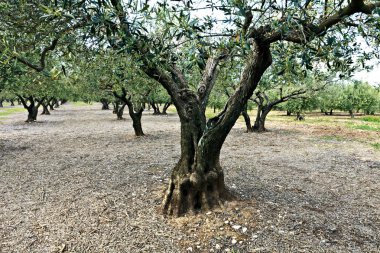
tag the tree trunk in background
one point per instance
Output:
(56, 103)
(136, 123)
(156, 108)
(165, 108)
(288, 113)
(32, 108)
(105, 104)
(120, 111)
(115, 107)
(261, 116)
(1, 103)
(45, 109)
(351, 112)
(247, 120)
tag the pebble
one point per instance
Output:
(218, 246)
(190, 249)
(236, 227)
(208, 213)
(233, 241)
(244, 229)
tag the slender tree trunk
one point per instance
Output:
(156, 108)
(331, 112)
(136, 123)
(45, 109)
(288, 113)
(1, 103)
(247, 120)
(351, 112)
(165, 108)
(12, 102)
(120, 111)
(115, 107)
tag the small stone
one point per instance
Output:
(208, 213)
(221, 228)
(236, 227)
(233, 241)
(218, 246)
(189, 249)
(244, 229)
(226, 222)
(240, 242)
(254, 236)
(227, 250)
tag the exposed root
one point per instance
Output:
(194, 193)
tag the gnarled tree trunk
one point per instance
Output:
(32, 108)
(134, 114)
(261, 116)
(197, 181)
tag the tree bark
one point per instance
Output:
(261, 116)
(136, 122)
(135, 115)
(197, 181)
(45, 110)
(32, 108)
(247, 120)
(165, 108)
(120, 111)
(105, 104)
(351, 112)
(12, 102)
(156, 108)
(1, 103)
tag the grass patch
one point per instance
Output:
(79, 103)
(366, 127)
(8, 111)
(332, 138)
(376, 145)
(375, 119)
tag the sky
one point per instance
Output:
(372, 77)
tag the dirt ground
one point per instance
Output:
(79, 181)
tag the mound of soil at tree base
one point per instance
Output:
(79, 181)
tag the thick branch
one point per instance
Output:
(308, 31)
(208, 80)
(41, 66)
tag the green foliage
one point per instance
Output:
(376, 145)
